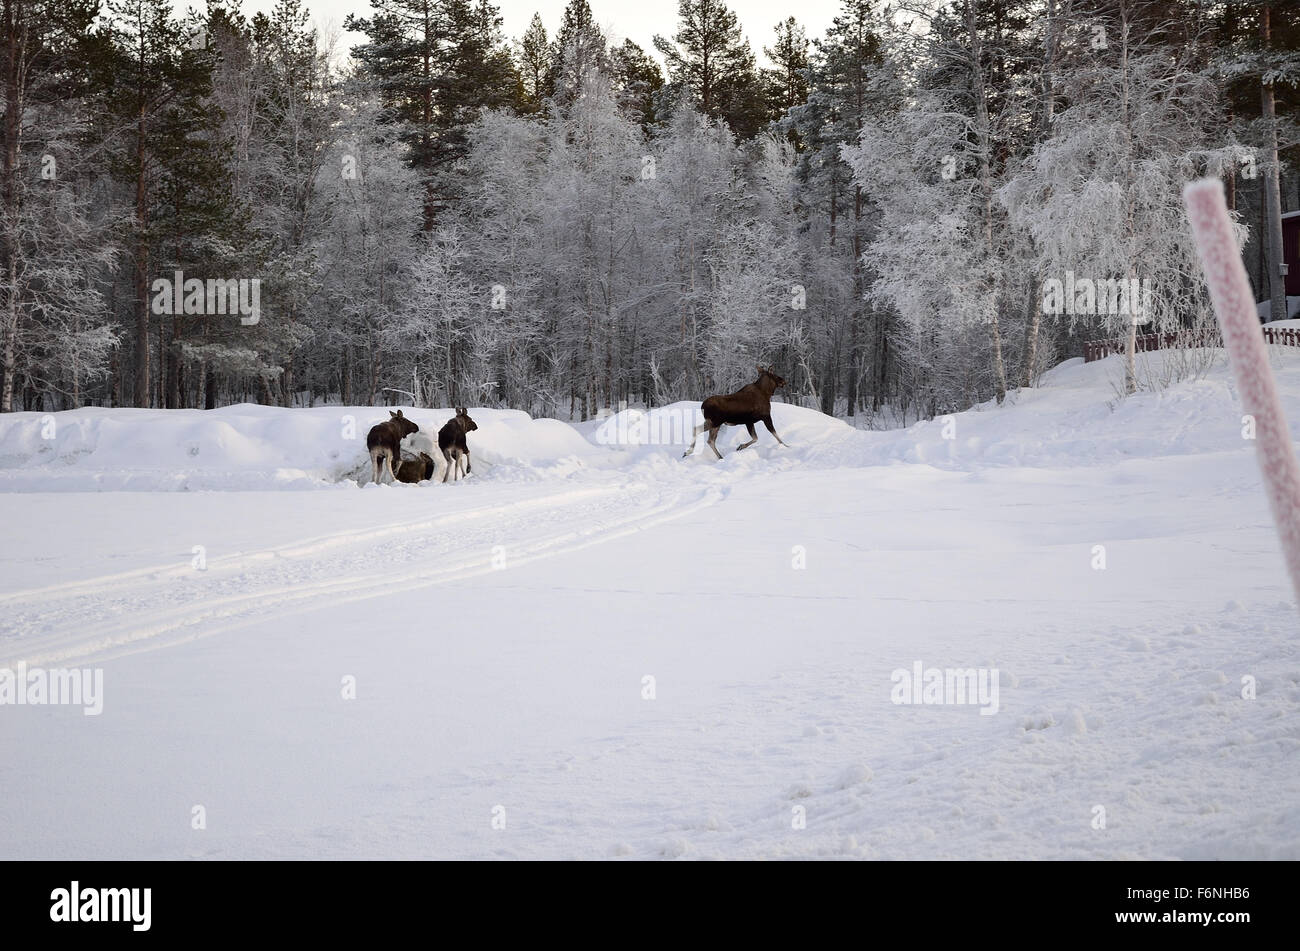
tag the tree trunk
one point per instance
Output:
(1272, 188)
(829, 383)
(163, 347)
(141, 268)
(1130, 229)
(15, 52)
(345, 378)
(984, 133)
(1034, 304)
(174, 366)
(1034, 308)
(377, 366)
(855, 312)
(287, 381)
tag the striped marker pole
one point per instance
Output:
(1234, 304)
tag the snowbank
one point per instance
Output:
(244, 447)
(1075, 417)
(638, 433)
(1264, 308)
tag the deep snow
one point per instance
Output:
(499, 632)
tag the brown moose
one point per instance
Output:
(415, 470)
(451, 440)
(749, 405)
(384, 442)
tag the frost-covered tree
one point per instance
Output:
(533, 54)
(1101, 196)
(56, 243)
(580, 48)
(366, 245)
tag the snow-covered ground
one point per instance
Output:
(499, 634)
(1264, 309)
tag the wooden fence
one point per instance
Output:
(1097, 349)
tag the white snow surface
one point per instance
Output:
(500, 630)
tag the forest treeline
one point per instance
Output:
(564, 220)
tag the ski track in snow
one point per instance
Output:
(518, 684)
(92, 620)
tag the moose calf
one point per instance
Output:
(384, 442)
(416, 470)
(749, 405)
(422, 444)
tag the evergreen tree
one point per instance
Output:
(434, 63)
(534, 59)
(710, 61)
(787, 83)
(137, 88)
(638, 81)
(579, 48)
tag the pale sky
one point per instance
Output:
(637, 21)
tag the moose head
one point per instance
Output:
(404, 426)
(766, 375)
(466, 424)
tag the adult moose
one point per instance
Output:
(451, 440)
(749, 405)
(384, 442)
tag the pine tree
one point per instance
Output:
(534, 58)
(845, 90)
(787, 84)
(434, 63)
(579, 48)
(137, 88)
(709, 60)
(638, 82)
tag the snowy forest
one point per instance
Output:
(563, 221)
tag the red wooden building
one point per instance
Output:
(1291, 251)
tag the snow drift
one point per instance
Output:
(244, 447)
(1074, 417)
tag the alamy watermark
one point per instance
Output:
(36, 686)
(78, 903)
(1129, 297)
(669, 426)
(215, 296)
(953, 686)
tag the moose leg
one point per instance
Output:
(753, 438)
(388, 464)
(713, 440)
(446, 473)
(467, 469)
(694, 436)
(767, 421)
(374, 466)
